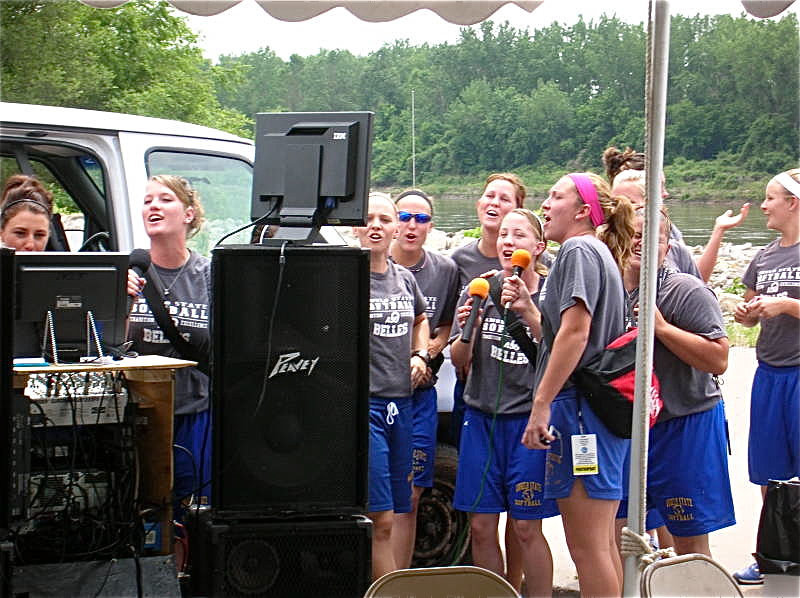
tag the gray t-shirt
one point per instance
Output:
(686, 302)
(492, 350)
(583, 269)
(775, 272)
(437, 278)
(188, 303)
(471, 264)
(680, 257)
(394, 302)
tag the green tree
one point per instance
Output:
(136, 58)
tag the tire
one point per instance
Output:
(443, 536)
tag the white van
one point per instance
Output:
(97, 165)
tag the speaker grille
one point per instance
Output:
(279, 559)
(303, 448)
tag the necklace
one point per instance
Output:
(167, 289)
(416, 267)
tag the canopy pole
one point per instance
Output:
(655, 107)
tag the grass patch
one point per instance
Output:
(741, 336)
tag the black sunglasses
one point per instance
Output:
(420, 217)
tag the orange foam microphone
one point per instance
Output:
(520, 259)
(478, 289)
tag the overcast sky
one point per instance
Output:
(248, 28)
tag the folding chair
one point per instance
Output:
(693, 575)
(441, 582)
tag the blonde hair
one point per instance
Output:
(538, 230)
(792, 173)
(384, 196)
(187, 195)
(519, 188)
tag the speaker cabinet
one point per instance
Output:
(280, 559)
(8, 498)
(290, 380)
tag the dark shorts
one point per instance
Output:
(192, 466)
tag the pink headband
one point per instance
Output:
(588, 194)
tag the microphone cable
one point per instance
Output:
(504, 337)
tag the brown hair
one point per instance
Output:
(615, 161)
(519, 187)
(538, 229)
(418, 193)
(617, 231)
(188, 196)
(23, 192)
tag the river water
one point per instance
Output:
(695, 220)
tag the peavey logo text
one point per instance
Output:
(292, 362)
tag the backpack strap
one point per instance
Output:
(153, 293)
(514, 324)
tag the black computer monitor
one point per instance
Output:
(69, 286)
(312, 168)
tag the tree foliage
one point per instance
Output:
(137, 58)
(499, 98)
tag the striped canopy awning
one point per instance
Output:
(460, 12)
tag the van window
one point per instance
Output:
(224, 184)
(50, 171)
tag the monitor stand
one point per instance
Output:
(55, 354)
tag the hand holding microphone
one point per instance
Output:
(478, 290)
(520, 260)
(139, 263)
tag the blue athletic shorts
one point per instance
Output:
(653, 519)
(514, 478)
(774, 446)
(611, 451)
(390, 422)
(425, 421)
(192, 467)
(688, 473)
(457, 415)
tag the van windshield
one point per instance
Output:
(225, 187)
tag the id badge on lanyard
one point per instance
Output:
(584, 450)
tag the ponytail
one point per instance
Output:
(617, 231)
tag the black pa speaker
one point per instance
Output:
(7, 457)
(280, 559)
(290, 380)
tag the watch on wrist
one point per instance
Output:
(423, 353)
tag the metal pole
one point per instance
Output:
(658, 40)
(413, 146)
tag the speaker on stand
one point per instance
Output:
(6, 380)
(290, 380)
(6, 398)
(290, 404)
